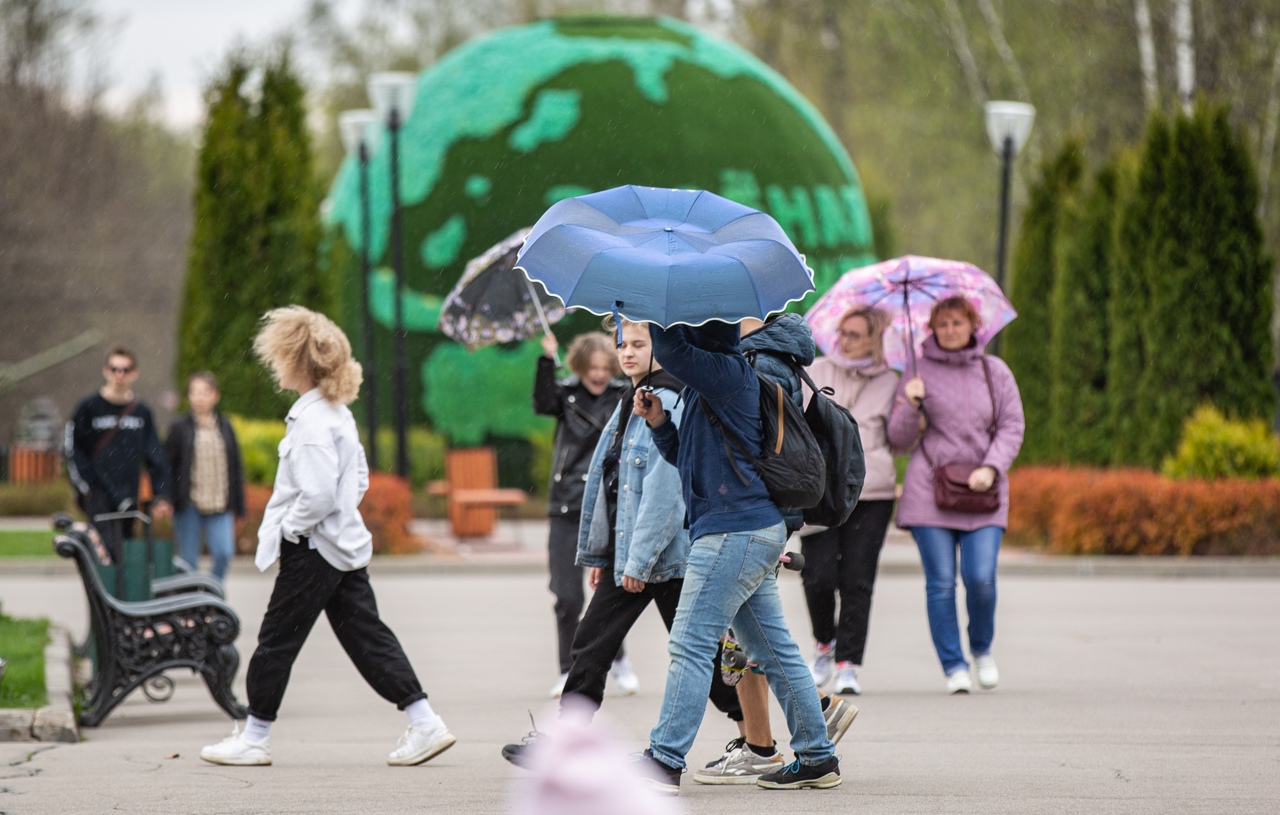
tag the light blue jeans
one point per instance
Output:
(218, 531)
(979, 551)
(732, 579)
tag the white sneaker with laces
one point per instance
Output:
(558, 688)
(417, 745)
(847, 679)
(959, 682)
(739, 765)
(988, 673)
(823, 666)
(624, 677)
(237, 751)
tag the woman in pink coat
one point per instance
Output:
(951, 412)
(843, 560)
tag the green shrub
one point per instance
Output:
(1213, 447)
(259, 447)
(426, 454)
(35, 499)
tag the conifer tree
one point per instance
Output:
(1027, 339)
(255, 245)
(1078, 349)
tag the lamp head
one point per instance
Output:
(393, 90)
(356, 126)
(1009, 120)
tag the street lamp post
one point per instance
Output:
(1008, 126)
(359, 129)
(392, 95)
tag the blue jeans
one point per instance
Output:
(732, 579)
(979, 550)
(218, 531)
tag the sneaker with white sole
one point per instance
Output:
(838, 716)
(624, 677)
(824, 663)
(658, 776)
(847, 679)
(739, 765)
(959, 682)
(988, 673)
(237, 751)
(797, 776)
(558, 688)
(420, 744)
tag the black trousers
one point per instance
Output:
(306, 586)
(610, 615)
(843, 560)
(566, 583)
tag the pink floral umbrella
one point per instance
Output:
(906, 289)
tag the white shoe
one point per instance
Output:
(238, 751)
(988, 673)
(417, 745)
(959, 682)
(558, 688)
(625, 678)
(847, 679)
(823, 666)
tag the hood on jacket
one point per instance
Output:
(960, 356)
(786, 334)
(717, 336)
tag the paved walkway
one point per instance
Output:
(1129, 694)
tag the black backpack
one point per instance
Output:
(837, 434)
(791, 463)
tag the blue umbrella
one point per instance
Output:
(664, 256)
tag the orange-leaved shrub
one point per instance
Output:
(387, 509)
(1137, 512)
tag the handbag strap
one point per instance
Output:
(991, 429)
(105, 438)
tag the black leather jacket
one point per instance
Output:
(180, 448)
(580, 416)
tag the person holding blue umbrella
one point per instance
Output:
(692, 264)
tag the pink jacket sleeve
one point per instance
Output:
(904, 421)
(1010, 423)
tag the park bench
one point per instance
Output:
(136, 642)
(471, 491)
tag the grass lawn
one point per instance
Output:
(23, 643)
(34, 543)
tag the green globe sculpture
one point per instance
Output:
(511, 122)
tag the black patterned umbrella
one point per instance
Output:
(493, 303)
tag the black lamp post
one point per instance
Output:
(358, 129)
(1008, 126)
(392, 95)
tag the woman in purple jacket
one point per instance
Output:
(961, 406)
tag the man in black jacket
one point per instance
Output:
(108, 440)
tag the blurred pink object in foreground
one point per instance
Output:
(580, 770)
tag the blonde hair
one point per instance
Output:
(877, 322)
(585, 346)
(297, 340)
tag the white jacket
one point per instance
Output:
(319, 485)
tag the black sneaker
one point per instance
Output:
(659, 776)
(797, 776)
(518, 754)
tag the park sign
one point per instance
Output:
(508, 124)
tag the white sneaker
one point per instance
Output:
(988, 673)
(823, 666)
(558, 688)
(417, 745)
(238, 751)
(959, 682)
(847, 679)
(625, 678)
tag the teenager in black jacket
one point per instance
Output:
(208, 477)
(581, 404)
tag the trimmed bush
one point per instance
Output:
(1213, 447)
(1137, 512)
(259, 448)
(36, 499)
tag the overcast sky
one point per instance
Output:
(181, 42)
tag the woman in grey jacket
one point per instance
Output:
(843, 560)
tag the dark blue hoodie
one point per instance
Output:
(707, 359)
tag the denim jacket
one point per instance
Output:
(651, 542)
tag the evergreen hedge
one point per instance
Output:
(1026, 344)
(255, 245)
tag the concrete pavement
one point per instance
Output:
(1130, 694)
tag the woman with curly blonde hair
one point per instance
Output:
(312, 525)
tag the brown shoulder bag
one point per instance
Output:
(951, 481)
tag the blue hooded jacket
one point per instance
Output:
(708, 360)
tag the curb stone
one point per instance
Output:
(57, 720)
